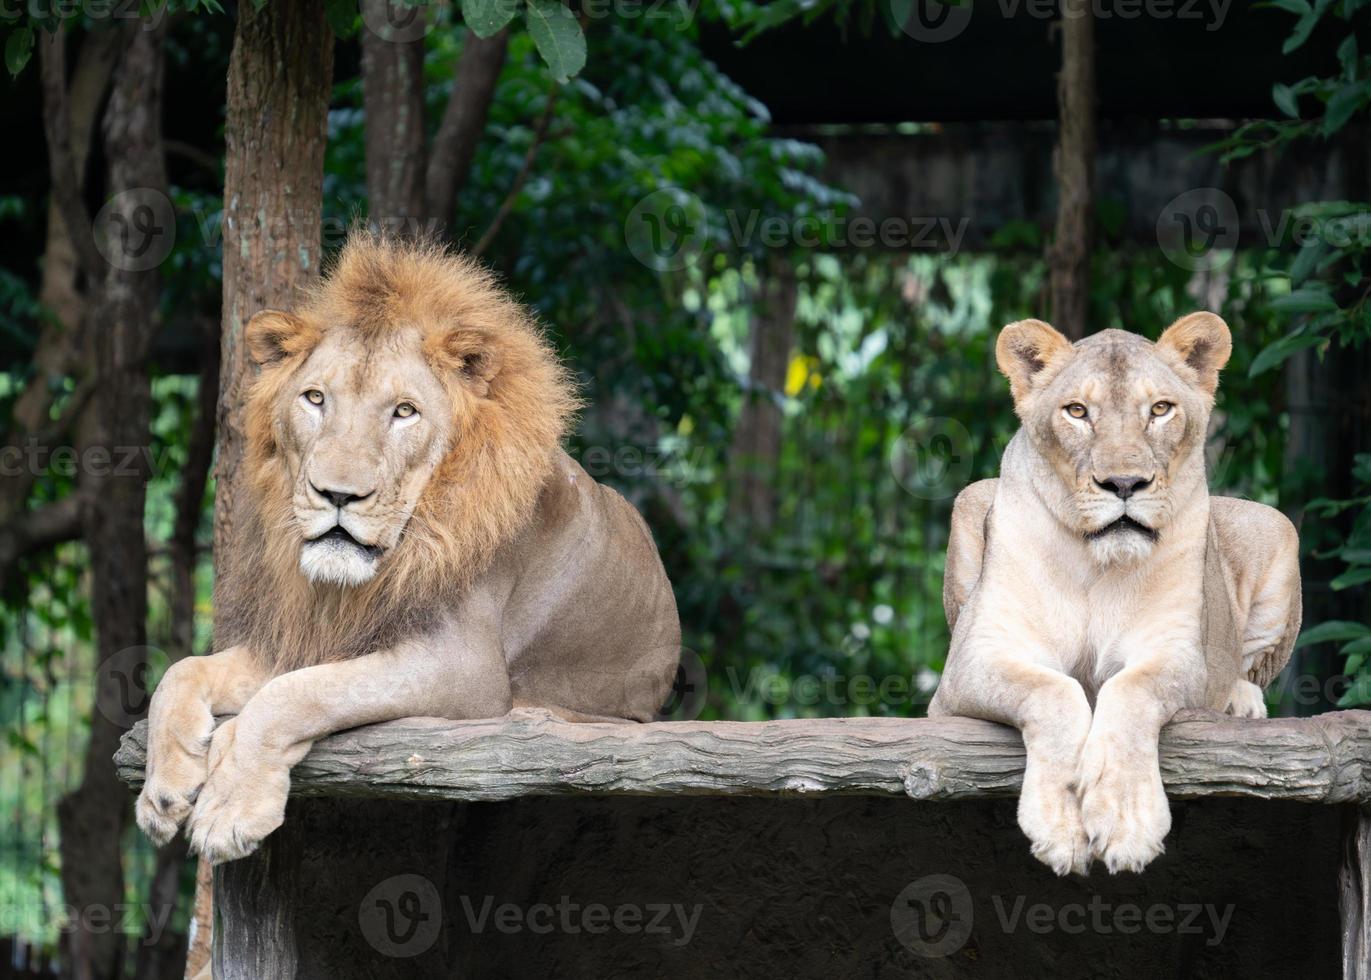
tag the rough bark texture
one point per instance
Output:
(92, 817)
(1326, 759)
(1354, 895)
(393, 102)
(756, 447)
(280, 73)
(464, 120)
(1074, 164)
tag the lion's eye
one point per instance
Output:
(1160, 409)
(314, 396)
(1076, 410)
(405, 410)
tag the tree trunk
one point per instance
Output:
(1074, 164)
(464, 120)
(280, 75)
(93, 816)
(756, 449)
(393, 104)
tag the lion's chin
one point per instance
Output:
(1120, 545)
(334, 562)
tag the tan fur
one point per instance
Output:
(1089, 633)
(412, 540)
(507, 429)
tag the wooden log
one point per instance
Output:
(1322, 759)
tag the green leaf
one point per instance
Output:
(486, 18)
(1347, 55)
(558, 37)
(1277, 352)
(1303, 28)
(1307, 300)
(1307, 260)
(1357, 648)
(1344, 103)
(18, 48)
(1332, 631)
(1359, 693)
(1285, 100)
(342, 17)
(1351, 577)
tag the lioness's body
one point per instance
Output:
(411, 541)
(1096, 588)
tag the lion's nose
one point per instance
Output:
(1124, 487)
(341, 498)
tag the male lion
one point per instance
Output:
(1097, 571)
(410, 540)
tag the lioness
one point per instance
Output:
(411, 540)
(1097, 572)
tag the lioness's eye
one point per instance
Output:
(1161, 408)
(314, 396)
(1076, 410)
(404, 410)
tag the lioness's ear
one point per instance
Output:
(1029, 353)
(273, 335)
(471, 354)
(1199, 343)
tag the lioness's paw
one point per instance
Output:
(1246, 700)
(1123, 805)
(1050, 817)
(242, 802)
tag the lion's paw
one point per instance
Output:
(1246, 700)
(1050, 816)
(242, 802)
(1123, 805)
(177, 768)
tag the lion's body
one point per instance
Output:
(1096, 588)
(410, 540)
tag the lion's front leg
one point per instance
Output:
(180, 723)
(1123, 802)
(1051, 710)
(244, 798)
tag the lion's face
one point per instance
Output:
(402, 424)
(362, 429)
(1120, 421)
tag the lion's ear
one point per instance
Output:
(472, 355)
(1201, 344)
(273, 335)
(1029, 353)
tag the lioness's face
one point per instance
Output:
(362, 426)
(1120, 420)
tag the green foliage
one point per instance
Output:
(1325, 263)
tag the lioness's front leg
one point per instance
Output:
(1123, 802)
(244, 798)
(180, 723)
(1051, 710)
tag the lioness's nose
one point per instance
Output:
(340, 498)
(1124, 487)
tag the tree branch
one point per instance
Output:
(507, 205)
(66, 187)
(464, 120)
(35, 530)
